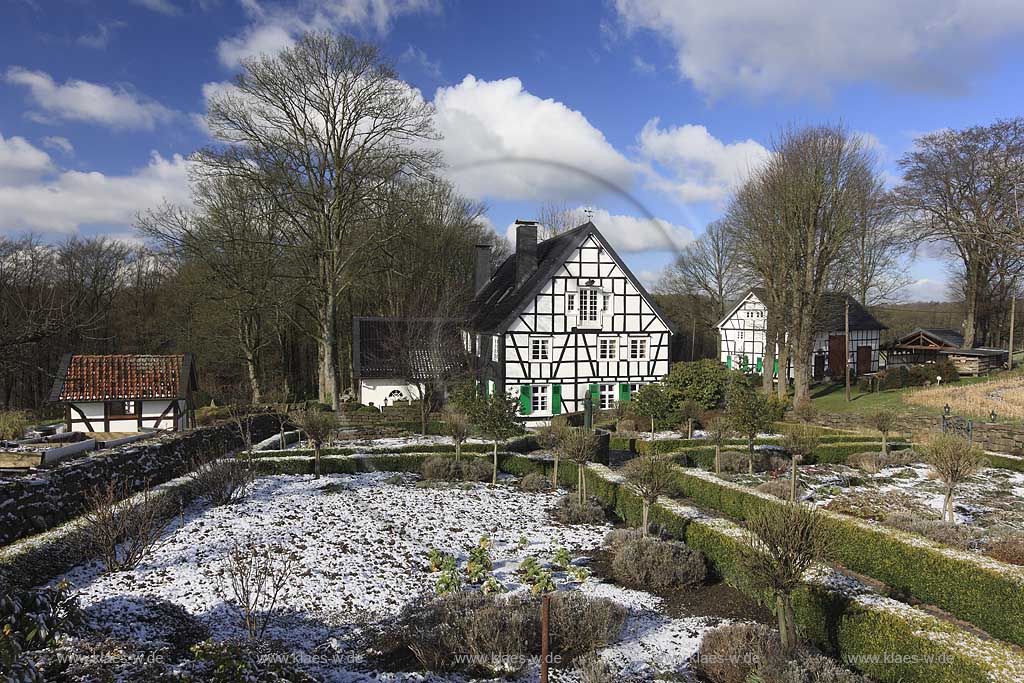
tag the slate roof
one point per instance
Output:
(377, 342)
(124, 377)
(942, 335)
(499, 300)
(831, 312)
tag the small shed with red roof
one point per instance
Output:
(126, 392)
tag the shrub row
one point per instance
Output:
(1005, 461)
(643, 446)
(986, 593)
(521, 445)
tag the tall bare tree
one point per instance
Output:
(709, 267)
(321, 129)
(958, 190)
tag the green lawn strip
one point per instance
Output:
(975, 588)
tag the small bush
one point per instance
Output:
(231, 662)
(957, 536)
(1009, 549)
(730, 654)
(13, 424)
(570, 511)
(734, 461)
(616, 537)
(778, 488)
(222, 481)
(33, 620)
(123, 528)
(439, 469)
(582, 624)
(593, 669)
(476, 469)
(808, 668)
(536, 482)
(652, 564)
(257, 576)
(867, 461)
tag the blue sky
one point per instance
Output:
(673, 101)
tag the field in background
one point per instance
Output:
(1004, 395)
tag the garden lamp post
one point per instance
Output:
(992, 416)
(945, 410)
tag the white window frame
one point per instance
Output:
(570, 302)
(639, 348)
(590, 302)
(607, 348)
(607, 396)
(635, 387)
(540, 398)
(540, 349)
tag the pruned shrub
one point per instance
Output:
(730, 654)
(582, 624)
(535, 482)
(656, 565)
(957, 536)
(33, 620)
(569, 510)
(1008, 549)
(475, 469)
(439, 468)
(806, 668)
(734, 461)
(778, 488)
(123, 528)
(222, 481)
(866, 461)
(616, 537)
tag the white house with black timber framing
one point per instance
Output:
(561, 319)
(742, 333)
(126, 393)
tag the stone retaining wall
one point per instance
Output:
(51, 496)
(998, 437)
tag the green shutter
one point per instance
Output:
(595, 395)
(760, 364)
(623, 392)
(775, 369)
(525, 399)
(556, 399)
(483, 388)
(728, 362)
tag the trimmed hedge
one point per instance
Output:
(642, 446)
(1005, 461)
(986, 593)
(521, 445)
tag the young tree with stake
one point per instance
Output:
(652, 401)
(318, 426)
(497, 418)
(786, 540)
(954, 460)
(800, 443)
(884, 421)
(579, 445)
(750, 413)
(457, 426)
(651, 476)
(718, 431)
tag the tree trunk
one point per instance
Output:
(316, 461)
(947, 507)
(783, 385)
(750, 455)
(768, 359)
(689, 428)
(253, 373)
(330, 391)
(790, 622)
(802, 371)
(554, 473)
(971, 303)
(718, 459)
(458, 451)
(885, 443)
(579, 484)
(494, 472)
(780, 613)
(645, 516)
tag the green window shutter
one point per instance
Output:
(623, 392)
(760, 364)
(595, 395)
(483, 388)
(556, 399)
(728, 362)
(525, 399)
(775, 370)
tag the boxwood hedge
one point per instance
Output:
(986, 593)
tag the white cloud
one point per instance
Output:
(101, 37)
(628, 234)
(273, 27)
(161, 6)
(502, 142)
(924, 289)
(809, 47)
(59, 143)
(72, 199)
(702, 167)
(20, 161)
(416, 56)
(76, 100)
(642, 66)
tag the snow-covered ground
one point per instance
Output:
(360, 545)
(379, 443)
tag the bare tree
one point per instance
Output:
(954, 460)
(318, 427)
(652, 477)
(257, 575)
(709, 267)
(580, 446)
(876, 263)
(958, 190)
(322, 128)
(800, 442)
(123, 527)
(718, 430)
(556, 218)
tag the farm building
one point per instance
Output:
(394, 359)
(126, 393)
(928, 345)
(562, 319)
(742, 333)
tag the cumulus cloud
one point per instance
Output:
(809, 47)
(273, 27)
(59, 143)
(501, 141)
(700, 167)
(20, 161)
(76, 100)
(629, 234)
(419, 58)
(160, 6)
(65, 201)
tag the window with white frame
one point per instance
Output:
(633, 388)
(739, 334)
(606, 302)
(540, 349)
(638, 348)
(589, 306)
(476, 351)
(570, 302)
(607, 348)
(607, 396)
(539, 398)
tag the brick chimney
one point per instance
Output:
(483, 266)
(526, 250)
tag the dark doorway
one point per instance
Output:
(837, 356)
(819, 366)
(863, 360)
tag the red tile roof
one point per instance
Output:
(101, 378)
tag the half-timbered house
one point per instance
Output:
(742, 333)
(126, 393)
(561, 319)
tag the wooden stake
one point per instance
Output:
(846, 356)
(1013, 307)
(545, 611)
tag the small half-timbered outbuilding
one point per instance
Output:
(126, 392)
(742, 333)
